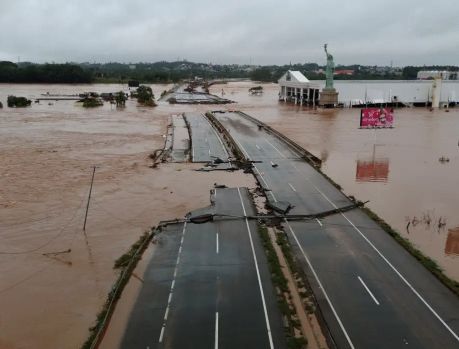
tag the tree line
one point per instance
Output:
(167, 72)
(44, 73)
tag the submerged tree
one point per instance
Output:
(18, 102)
(120, 99)
(92, 102)
(145, 96)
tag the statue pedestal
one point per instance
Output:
(328, 98)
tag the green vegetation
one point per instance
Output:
(167, 72)
(43, 73)
(18, 102)
(127, 264)
(145, 96)
(283, 294)
(120, 99)
(92, 102)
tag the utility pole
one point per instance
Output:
(89, 198)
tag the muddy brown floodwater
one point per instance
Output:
(398, 169)
(50, 299)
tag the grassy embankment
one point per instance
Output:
(126, 264)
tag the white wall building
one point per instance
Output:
(295, 87)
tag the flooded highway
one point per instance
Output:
(398, 169)
(46, 154)
(342, 253)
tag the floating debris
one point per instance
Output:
(443, 159)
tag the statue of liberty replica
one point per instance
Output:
(328, 97)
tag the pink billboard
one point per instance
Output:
(376, 117)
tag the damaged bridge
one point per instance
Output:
(208, 284)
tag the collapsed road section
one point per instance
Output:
(206, 145)
(208, 285)
(191, 136)
(372, 293)
(186, 94)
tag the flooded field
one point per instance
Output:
(398, 169)
(49, 296)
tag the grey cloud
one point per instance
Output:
(265, 32)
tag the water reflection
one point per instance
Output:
(372, 170)
(452, 242)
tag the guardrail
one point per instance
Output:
(228, 138)
(306, 155)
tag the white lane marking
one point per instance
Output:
(206, 140)
(209, 151)
(166, 314)
(161, 335)
(292, 187)
(405, 281)
(258, 147)
(169, 299)
(314, 272)
(393, 268)
(268, 327)
(368, 290)
(218, 137)
(318, 221)
(272, 145)
(266, 184)
(217, 247)
(216, 330)
(242, 148)
(321, 286)
(379, 253)
(304, 254)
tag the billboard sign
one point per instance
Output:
(377, 118)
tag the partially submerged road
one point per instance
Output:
(180, 139)
(208, 286)
(372, 292)
(206, 144)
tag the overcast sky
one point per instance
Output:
(407, 32)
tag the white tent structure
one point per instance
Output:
(295, 87)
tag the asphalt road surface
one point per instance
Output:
(199, 96)
(372, 293)
(208, 286)
(206, 145)
(180, 139)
